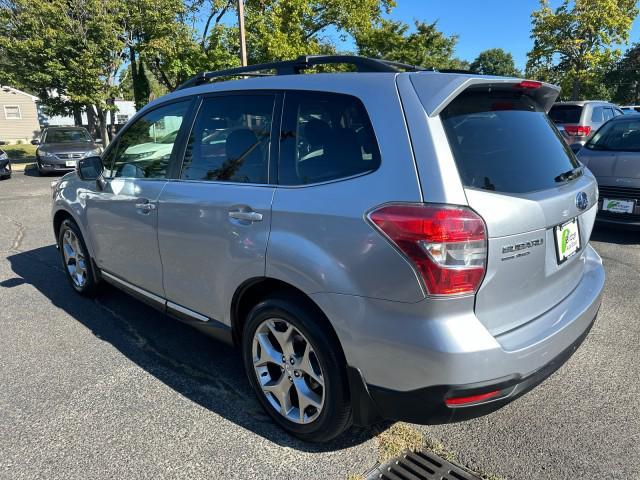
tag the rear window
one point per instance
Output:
(504, 142)
(565, 113)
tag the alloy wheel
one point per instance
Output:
(288, 371)
(74, 258)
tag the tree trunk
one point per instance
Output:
(77, 116)
(575, 89)
(102, 125)
(112, 125)
(91, 120)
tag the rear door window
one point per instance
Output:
(325, 136)
(565, 113)
(598, 114)
(503, 141)
(608, 114)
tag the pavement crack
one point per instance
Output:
(19, 236)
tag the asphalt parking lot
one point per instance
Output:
(110, 388)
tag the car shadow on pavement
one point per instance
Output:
(203, 370)
(617, 235)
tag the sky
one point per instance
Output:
(482, 24)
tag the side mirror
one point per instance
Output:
(90, 168)
(35, 142)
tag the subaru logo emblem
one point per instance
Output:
(582, 201)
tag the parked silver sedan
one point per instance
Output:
(613, 155)
(61, 147)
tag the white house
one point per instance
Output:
(126, 110)
(18, 116)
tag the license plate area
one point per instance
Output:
(615, 205)
(70, 163)
(567, 240)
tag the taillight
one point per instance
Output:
(447, 244)
(578, 130)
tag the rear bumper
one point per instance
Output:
(408, 358)
(622, 220)
(428, 405)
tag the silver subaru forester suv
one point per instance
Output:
(388, 243)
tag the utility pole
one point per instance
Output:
(243, 43)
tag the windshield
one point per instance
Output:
(67, 136)
(565, 113)
(620, 135)
(504, 142)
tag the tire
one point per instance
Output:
(70, 241)
(328, 379)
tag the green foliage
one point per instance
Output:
(574, 44)
(625, 77)
(282, 29)
(394, 40)
(495, 61)
(66, 51)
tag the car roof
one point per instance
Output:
(436, 90)
(582, 103)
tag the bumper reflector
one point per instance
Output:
(482, 397)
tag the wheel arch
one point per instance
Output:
(59, 217)
(252, 291)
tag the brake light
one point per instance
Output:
(528, 85)
(447, 244)
(578, 130)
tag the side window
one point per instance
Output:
(230, 140)
(145, 148)
(608, 113)
(597, 115)
(107, 160)
(325, 136)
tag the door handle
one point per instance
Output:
(249, 216)
(144, 205)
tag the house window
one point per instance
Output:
(12, 112)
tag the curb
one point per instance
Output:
(21, 167)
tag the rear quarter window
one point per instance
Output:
(504, 142)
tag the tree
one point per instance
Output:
(393, 40)
(495, 61)
(69, 51)
(573, 44)
(126, 85)
(625, 77)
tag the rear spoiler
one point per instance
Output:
(437, 90)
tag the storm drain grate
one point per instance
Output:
(421, 465)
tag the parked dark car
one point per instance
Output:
(613, 155)
(60, 148)
(5, 164)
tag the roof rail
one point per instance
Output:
(293, 67)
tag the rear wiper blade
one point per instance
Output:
(570, 175)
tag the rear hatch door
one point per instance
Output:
(536, 199)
